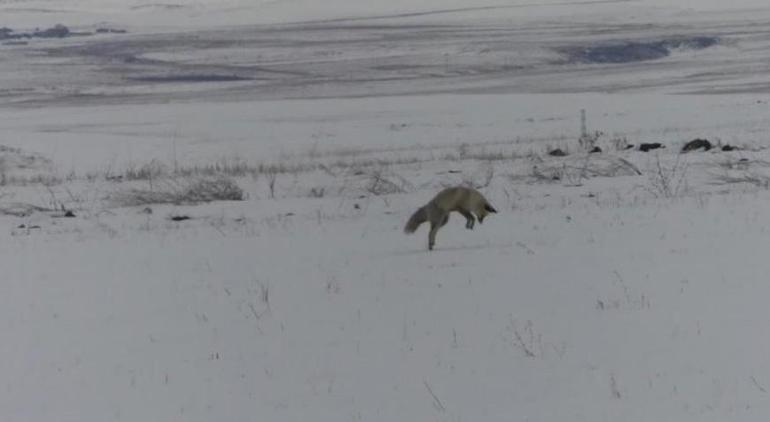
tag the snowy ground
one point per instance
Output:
(619, 286)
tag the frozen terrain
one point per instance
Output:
(624, 285)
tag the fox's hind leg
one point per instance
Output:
(432, 236)
(434, 226)
(469, 219)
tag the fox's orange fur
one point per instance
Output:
(467, 201)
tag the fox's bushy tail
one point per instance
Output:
(420, 216)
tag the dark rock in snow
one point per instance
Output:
(649, 146)
(697, 144)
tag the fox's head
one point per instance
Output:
(485, 211)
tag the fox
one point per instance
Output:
(467, 201)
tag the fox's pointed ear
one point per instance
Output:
(489, 208)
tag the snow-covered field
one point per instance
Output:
(625, 285)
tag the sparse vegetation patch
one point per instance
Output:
(180, 191)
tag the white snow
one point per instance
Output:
(595, 293)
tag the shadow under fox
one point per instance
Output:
(466, 201)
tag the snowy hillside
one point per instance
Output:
(202, 208)
(181, 13)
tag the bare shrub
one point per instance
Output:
(526, 339)
(743, 171)
(216, 189)
(38, 179)
(588, 141)
(272, 175)
(157, 169)
(622, 297)
(152, 170)
(232, 168)
(620, 143)
(173, 191)
(668, 181)
(573, 170)
(317, 192)
(381, 183)
(614, 390)
(462, 150)
(530, 343)
(20, 209)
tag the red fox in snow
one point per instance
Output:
(466, 201)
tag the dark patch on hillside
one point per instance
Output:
(56, 31)
(636, 51)
(190, 78)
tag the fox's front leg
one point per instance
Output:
(469, 219)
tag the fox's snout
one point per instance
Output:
(488, 209)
